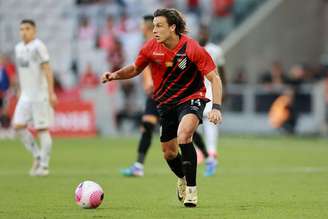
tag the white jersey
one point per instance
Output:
(32, 80)
(217, 55)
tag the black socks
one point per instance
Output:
(176, 165)
(145, 141)
(189, 163)
(199, 142)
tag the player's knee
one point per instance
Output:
(18, 128)
(150, 118)
(170, 155)
(40, 130)
(148, 127)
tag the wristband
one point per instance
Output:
(217, 106)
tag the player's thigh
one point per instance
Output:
(42, 115)
(187, 127)
(190, 116)
(169, 126)
(150, 114)
(188, 123)
(22, 114)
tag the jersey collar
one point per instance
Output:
(182, 40)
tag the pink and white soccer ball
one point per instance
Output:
(89, 194)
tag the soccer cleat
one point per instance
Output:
(35, 166)
(181, 188)
(211, 165)
(42, 171)
(190, 200)
(135, 170)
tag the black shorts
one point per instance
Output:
(171, 119)
(151, 108)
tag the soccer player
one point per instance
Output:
(37, 96)
(151, 116)
(211, 131)
(178, 67)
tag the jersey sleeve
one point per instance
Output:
(43, 53)
(143, 59)
(201, 58)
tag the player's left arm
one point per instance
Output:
(46, 69)
(215, 115)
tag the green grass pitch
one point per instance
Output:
(258, 177)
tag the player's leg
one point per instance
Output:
(148, 124)
(30, 144)
(174, 160)
(173, 157)
(187, 127)
(21, 117)
(190, 116)
(200, 144)
(149, 121)
(42, 117)
(27, 139)
(211, 133)
(46, 147)
(169, 127)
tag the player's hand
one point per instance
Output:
(107, 77)
(215, 116)
(53, 99)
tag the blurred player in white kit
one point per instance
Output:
(211, 131)
(37, 97)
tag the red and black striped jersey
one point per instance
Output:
(178, 74)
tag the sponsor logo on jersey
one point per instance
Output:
(158, 54)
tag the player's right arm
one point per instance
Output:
(126, 72)
(129, 71)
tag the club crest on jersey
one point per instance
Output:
(183, 64)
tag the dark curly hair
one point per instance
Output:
(173, 16)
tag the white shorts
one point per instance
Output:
(40, 113)
(207, 109)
